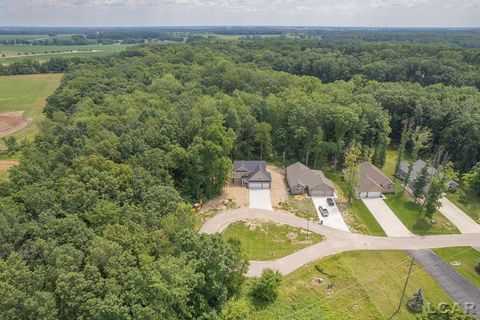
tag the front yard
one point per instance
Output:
(468, 259)
(355, 214)
(300, 206)
(261, 240)
(407, 211)
(468, 203)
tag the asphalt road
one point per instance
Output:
(459, 288)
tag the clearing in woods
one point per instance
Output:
(22, 99)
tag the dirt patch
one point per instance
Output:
(278, 192)
(11, 122)
(7, 164)
(232, 197)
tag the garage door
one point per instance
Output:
(259, 185)
(319, 193)
(370, 195)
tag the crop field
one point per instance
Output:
(12, 53)
(22, 99)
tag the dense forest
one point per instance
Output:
(95, 222)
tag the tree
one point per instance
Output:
(420, 138)
(11, 143)
(420, 183)
(438, 186)
(352, 156)
(265, 289)
(472, 179)
(264, 138)
(406, 133)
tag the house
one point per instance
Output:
(417, 167)
(372, 182)
(252, 174)
(301, 179)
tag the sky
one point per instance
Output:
(355, 13)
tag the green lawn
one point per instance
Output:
(269, 241)
(303, 208)
(357, 214)
(42, 53)
(407, 210)
(367, 285)
(468, 203)
(27, 93)
(468, 257)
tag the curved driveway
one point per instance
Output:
(336, 241)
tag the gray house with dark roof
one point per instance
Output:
(417, 167)
(252, 174)
(301, 179)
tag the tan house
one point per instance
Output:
(301, 179)
(372, 182)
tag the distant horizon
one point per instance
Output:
(314, 13)
(235, 26)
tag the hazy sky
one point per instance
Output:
(382, 13)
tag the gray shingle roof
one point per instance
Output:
(252, 166)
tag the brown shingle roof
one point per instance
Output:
(300, 174)
(371, 178)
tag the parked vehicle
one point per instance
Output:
(330, 202)
(323, 211)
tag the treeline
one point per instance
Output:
(384, 61)
(31, 66)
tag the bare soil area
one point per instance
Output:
(7, 164)
(278, 193)
(232, 196)
(11, 122)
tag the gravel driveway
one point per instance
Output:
(389, 222)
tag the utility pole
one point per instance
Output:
(404, 288)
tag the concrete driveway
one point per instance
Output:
(260, 199)
(460, 219)
(387, 219)
(334, 219)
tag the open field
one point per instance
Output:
(366, 285)
(12, 53)
(468, 258)
(356, 214)
(33, 37)
(262, 240)
(25, 94)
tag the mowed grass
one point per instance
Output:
(357, 215)
(268, 241)
(27, 93)
(468, 257)
(15, 53)
(366, 285)
(467, 202)
(403, 205)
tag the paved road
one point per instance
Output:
(464, 223)
(336, 240)
(260, 199)
(387, 219)
(459, 288)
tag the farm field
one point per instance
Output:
(366, 285)
(25, 94)
(12, 53)
(268, 241)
